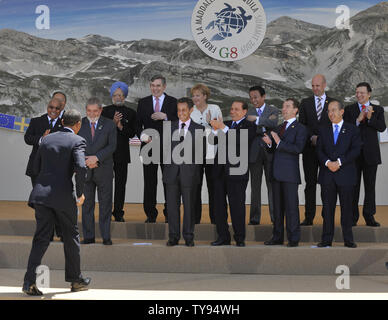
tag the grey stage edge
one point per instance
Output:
(140, 247)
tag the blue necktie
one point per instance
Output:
(336, 133)
(234, 124)
(259, 112)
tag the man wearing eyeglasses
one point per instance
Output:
(39, 128)
(125, 121)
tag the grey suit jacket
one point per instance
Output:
(103, 145)
(188, 173)
(268, 120)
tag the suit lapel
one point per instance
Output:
(100, 126)
(88, 132)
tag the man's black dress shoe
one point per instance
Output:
(324, 244)
(119, 219)
(254, 223)
(350, 245)
(190, 243)
(306, 223)
(107, 242)
(87, 241)
(150, 220)
(80, 285)
(292, 244)
(240, 243)
(31, 289)
(372, 223)
(221, 242)
(273, 242)
(172, 242)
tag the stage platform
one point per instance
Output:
(140, 247)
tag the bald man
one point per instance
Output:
(313, 114)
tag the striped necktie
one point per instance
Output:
(319, 108)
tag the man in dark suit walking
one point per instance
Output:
(369, 118)
(338, 148)
(39, 128)
(234, 174)
(287, 143)
(60, 155)
(266, 117)
(101, 138)
(313, 114)
(152, 111)
(182, 179)
(125, 121)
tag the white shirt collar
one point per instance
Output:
(322, 97)
(339, 125)
(290, 121)
(366, 104)
(70, 129)
(187, 123)
(262, 108)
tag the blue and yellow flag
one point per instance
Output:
(14, 123)
(7, 121)
(21, 124)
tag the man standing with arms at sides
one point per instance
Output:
(182, 179)
(152, 111)
(338, 147)
(101, 136)
(266, 118)
(313, 114)
(60, 155)
(125, 121)
(369, 118)
(287, 143)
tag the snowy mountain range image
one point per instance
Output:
(292, 52)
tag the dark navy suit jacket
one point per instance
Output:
(347, 149)
(286, 154)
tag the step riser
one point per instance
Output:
(220, 260)
(203, 232)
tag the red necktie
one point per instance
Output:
(283, 129)
(93, 129)
(157, 106)
(363, 108)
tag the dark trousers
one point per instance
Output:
(286, 205)
(263, 163)
(174, 194)
(57, 228)
(208, 169)
(369, 175)
(45, 219)
(329, 199)
(103, 182)
(120, 173)
(150, 175)
(310, 167)
(221, 208)
(235, 190)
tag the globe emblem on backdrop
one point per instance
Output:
(229, 22)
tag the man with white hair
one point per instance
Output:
(125, 121)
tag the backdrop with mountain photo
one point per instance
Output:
(91, 44)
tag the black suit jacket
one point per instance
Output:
(368, 130)
(188, 172)
(286, 154)
(347, 149)
(145, 109)
(60, 155)
(223, 170)
(33, 134)
(308, 116)
(122, 153)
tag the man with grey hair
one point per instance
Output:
(152, 111)
(101, 139)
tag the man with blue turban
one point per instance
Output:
(125, 120)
